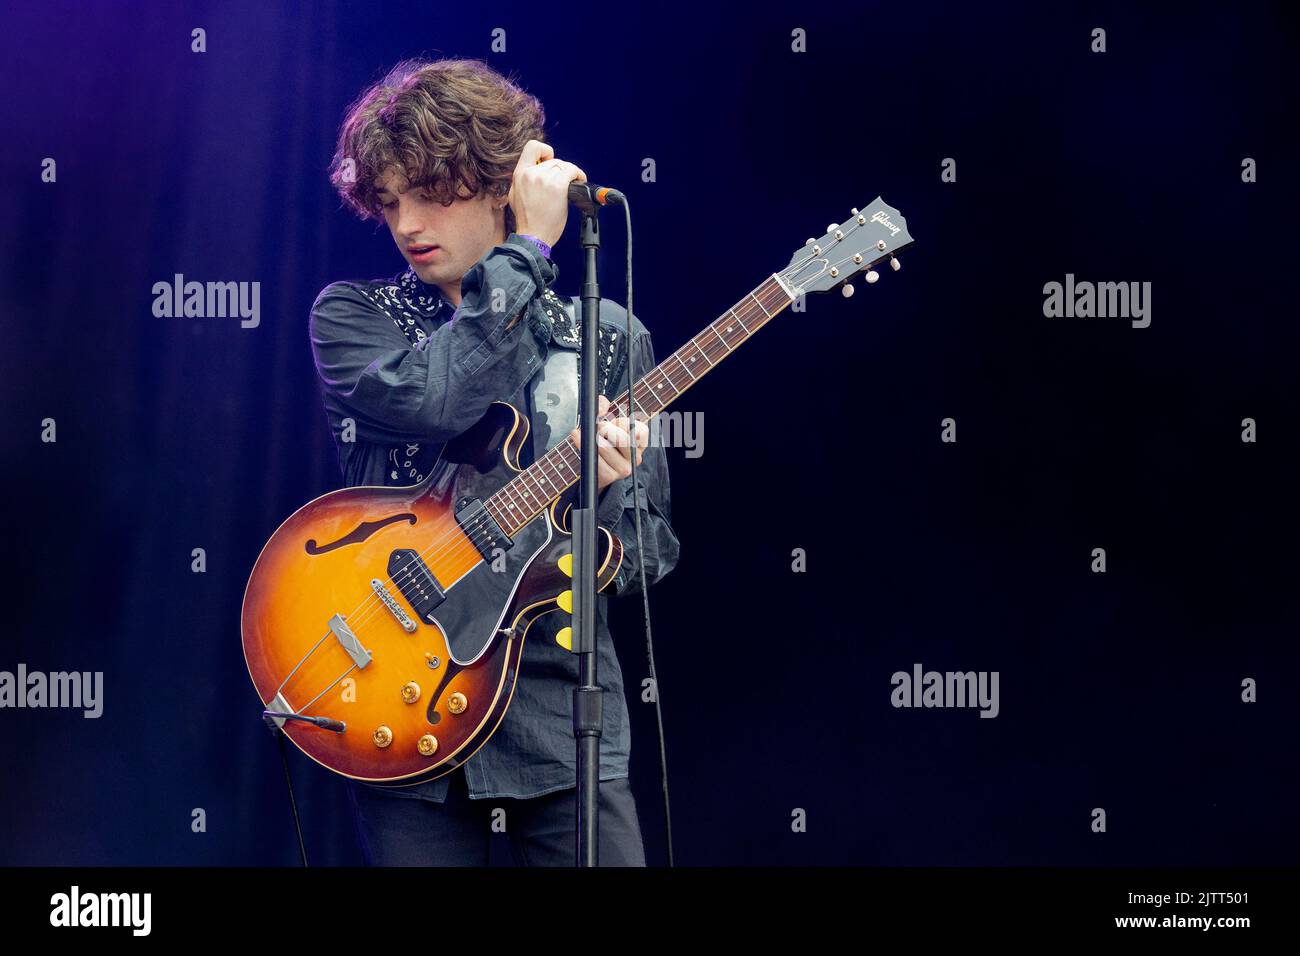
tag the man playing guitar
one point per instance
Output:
(449, 154)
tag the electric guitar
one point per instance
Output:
(401, 590)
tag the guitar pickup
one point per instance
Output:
(413, 578)
(481, 528)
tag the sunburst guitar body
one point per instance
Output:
(400, 615)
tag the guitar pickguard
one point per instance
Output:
(461, 615)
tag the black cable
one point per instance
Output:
(288, 782)
(632, 378)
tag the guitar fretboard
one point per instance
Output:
(531, 491)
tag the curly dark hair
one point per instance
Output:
(448, 125)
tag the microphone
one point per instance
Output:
(587, 197)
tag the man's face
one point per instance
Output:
(440, 242)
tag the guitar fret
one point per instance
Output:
(720, 338)
(512, 507)
(525, 493)
(701, 353)
(572, 469)
(566, 450)
(665, 377)
(517, 503)
(521, 500)
(760, 305)
(639, 404)
(519, 491)
(541, 467)
(683, 365)
(540, 496)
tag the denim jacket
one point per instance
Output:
(402, 372)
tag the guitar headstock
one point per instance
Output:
(863, 241)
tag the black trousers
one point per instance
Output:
(397, 831)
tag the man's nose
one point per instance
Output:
(409, 224)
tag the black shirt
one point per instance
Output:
(403, 371)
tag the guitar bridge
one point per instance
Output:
(360, 656)
(390, 602)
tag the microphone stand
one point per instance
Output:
(587, 696)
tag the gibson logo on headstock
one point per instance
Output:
(883, 219)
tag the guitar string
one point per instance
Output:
(467, 546)
(458, 548)
(633, 402)
(514, 500)
(524, 501)
(374, 603)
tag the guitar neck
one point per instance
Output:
(532, 490)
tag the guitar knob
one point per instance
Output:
(564, 637)
(872, 275)
(457, 703)
(565, 601)
(427, 745)
(382, 736)
(411, 692)
(895, 264)
(847, 290)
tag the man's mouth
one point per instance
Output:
(422, 253)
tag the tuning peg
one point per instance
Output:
(832, 227)
(894, 264)
(810, 241)
(847, 290)
(853, 211)
(872, 275)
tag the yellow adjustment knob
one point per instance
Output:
(427, 745)
(457, 703)
(411, 692)
(565, 601)
(382, 736)
(564, 637)
(565, 564)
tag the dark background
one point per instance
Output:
(1118, 690)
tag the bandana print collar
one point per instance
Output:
(564, 330)
(411, 304)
